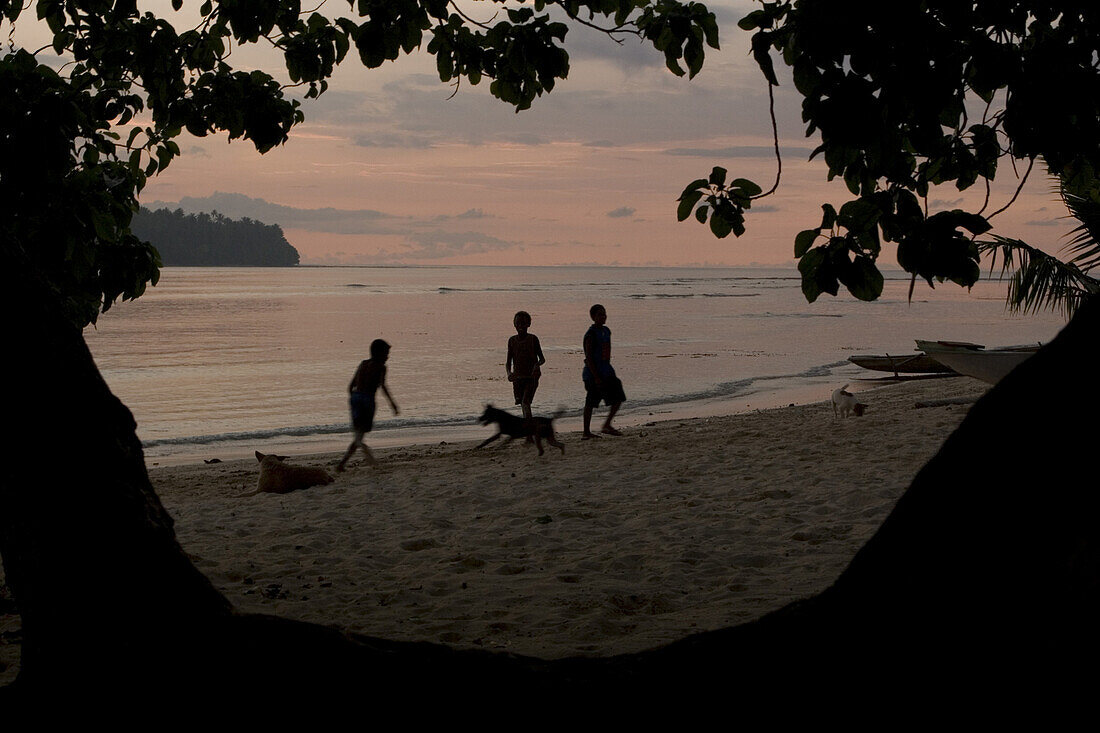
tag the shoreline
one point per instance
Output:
(621, 544)
(807, 391)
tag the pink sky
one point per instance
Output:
(590, 174)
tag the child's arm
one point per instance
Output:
(588, 360)
(393, 404)
(355, 377)
(508, 362)
(386, 391)
(539, 358)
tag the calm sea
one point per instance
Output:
(222, 361)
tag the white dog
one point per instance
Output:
(845, 403)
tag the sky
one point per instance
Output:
(394, 167)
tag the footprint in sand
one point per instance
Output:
(817, 536)
(753, 561)
(467, 562)
(418, 545)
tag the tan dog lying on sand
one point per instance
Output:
(276, 477)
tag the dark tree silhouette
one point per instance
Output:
(910, 95)
(213, 239)
(108, 599)
(981, 585)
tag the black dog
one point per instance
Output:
(514, 427)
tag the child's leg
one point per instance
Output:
(587, 419)
(356, 441)
(370, 456)
(526, 406)
(607, 423)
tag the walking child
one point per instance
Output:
(369, 377)
(600, 382)
(523, 362)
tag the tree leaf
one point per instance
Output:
(804, 241)
(720, 226)
(808, 267)
(749, 187)
(696, 184)
(864, 280)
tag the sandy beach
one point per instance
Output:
(621, 544)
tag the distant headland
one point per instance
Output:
(202, 239)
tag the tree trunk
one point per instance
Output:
(987, 572)
(89, 551)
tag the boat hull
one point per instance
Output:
(989, 366)
(974, 360)
(910, 364)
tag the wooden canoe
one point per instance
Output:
(900, 364)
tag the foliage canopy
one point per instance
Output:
(74, 156)
(905, 96)
(911, 94)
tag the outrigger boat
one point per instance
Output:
(900, 364)
(974, 360)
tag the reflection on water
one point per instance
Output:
(261, 351)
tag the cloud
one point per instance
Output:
(426, 238)
(1044, 223)
(418, 111)
(474, 214)
(328, 220)
(631, 54)
(392, 140)
(740, 151)
(621, 212)
(585, 46)
(438, 245)
(467, 214)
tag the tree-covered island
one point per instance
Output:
(213, 239)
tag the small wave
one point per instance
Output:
(729, 295)
(726, 278)
(661, 295)
(508, 289)
(301, 431)
(723, 390)
(741, 387)
(792, 315)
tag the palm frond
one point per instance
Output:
(1084, 239)
(1081, 194)
(1038, 280)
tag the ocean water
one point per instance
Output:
(224, 361)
